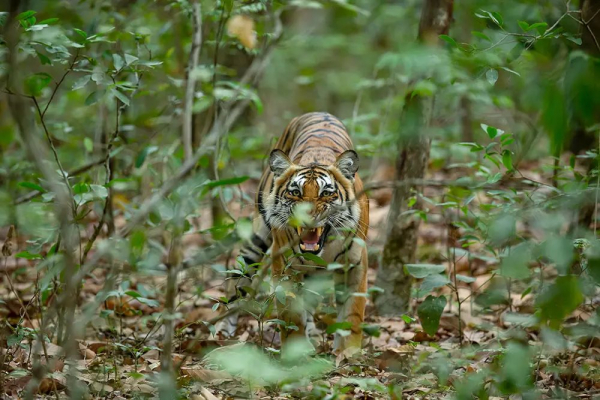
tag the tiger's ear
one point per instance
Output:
(279, 162)
(347, 163)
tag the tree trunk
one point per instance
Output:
(413, 154)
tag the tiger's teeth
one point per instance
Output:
(302, 246)
(319, 231)
(299, 231)
(317, 247)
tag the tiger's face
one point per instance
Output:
(328, 190)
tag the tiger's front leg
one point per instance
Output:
(350, 307)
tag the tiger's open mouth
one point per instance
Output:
(312, 239)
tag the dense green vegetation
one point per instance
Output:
(132, 138)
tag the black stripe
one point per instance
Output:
(347, 249)
(259, 242)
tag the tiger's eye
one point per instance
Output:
(294, 192)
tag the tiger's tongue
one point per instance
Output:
(310, 238)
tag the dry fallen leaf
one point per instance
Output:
(242, 27)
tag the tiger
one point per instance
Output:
(314, 162)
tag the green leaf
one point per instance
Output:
(430, 312)
(431, 282)
(371, 330)
(43, 58)
(492, 76)
(88, 144)
(314, 258)
(448, 39)
(118, 61)
(346, 326)
(424, 88)
(359, 242)
(280, 294)
(226, 182)
(149, 302)
(407, 319)
(540, 26)
(491, 131)
(555, 117)
(81, 33)
(474, 146)
(139, 161)
(574, 39)
(49, 21)
(593, 270)
(32, 186)
(423, 270)
(511, 71)
(124, 99)
(244, 228)
(137, 241)
(36, 27)
(81, 82)
(481, 35)
(25, 15)
(28, 256)
(99, 191)
(129, 59)
(560, 299)
(133, 294)
(335, 266)
(507, 159)
(523, 25)
(36, 83)
(494, 16)
(93, 97)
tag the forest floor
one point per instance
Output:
(121, 351)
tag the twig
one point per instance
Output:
(191, 81)
(60, 82)
(107, 179)
(54, 152)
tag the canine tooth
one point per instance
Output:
(299, 231)
(319, 231)
(302, 246)
(317, 247)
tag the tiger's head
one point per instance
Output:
(328, 189)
